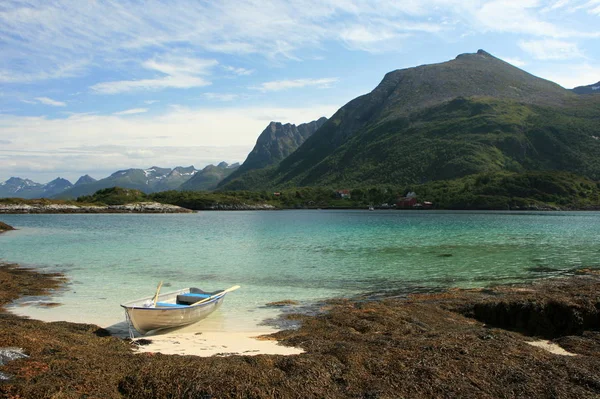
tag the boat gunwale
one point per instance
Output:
(201, 302)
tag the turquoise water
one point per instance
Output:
(302, 255)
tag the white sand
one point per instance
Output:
(211, 343)
(551, 347)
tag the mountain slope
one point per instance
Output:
(146, 180)
(209, 177)
(589, 89)
(84, 180)
(56, 186)
(473, 114)
(25, 188)
(274, 144)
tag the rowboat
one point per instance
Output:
(173, 309)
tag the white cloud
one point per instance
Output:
(278, 85)
(45, 40)
(10, 74)
(150, 102)
(221, 96)
(519, 63)
(551, 49)
(132, 111)
(239, 71)
(49, 101)
(183, 136)
(182, 72)
(571, 75)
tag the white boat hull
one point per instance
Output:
(145, 319)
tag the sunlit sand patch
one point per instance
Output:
(551, 347)
(216, 343)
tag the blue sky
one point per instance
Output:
(95, 86)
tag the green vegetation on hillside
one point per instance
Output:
(492, 190)
(459, 138)
(475, 114)
(114, 196)
(504, 190)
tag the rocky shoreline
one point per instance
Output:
(478, 343)
(138, 207)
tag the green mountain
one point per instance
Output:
(274, 144)
(589, 89)
(473, 114)
(209, 177)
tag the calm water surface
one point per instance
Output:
(302, 255)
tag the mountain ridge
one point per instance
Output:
(469, 115)
(274, 144)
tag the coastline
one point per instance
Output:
(52, 208)
(457, 343)
(156, 207)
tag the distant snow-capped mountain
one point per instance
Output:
(25, 188)
(148, 180)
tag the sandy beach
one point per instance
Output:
(207, 338)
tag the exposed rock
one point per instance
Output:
(241, 207)
(139, 207)
(5, 227)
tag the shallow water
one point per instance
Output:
(301, 255)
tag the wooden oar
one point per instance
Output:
(156, 295)
(235, 287)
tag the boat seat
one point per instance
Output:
(169, 305)
(189, 299)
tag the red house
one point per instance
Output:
(406, 202)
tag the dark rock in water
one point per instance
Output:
(444, 255)
(5, 227)
(286, 302)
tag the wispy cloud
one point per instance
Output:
(132, 111)
(239, 71)
(277, 85)
(180, 72)
(150, 102)
(45, 40)
(212, 141)
(514, 61)
(221, 96)
(45, 101)
(551, 49)
(571, 75)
